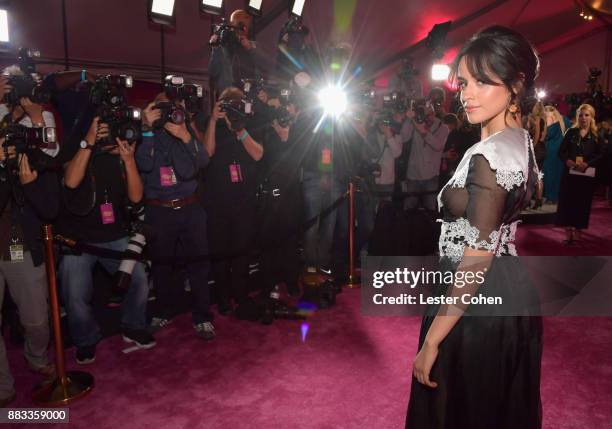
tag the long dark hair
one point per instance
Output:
(502, 52)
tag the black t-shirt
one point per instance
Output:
(281, 162)
(334, 147)
(81, 218)
(231, 176)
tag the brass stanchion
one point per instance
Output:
(70, 385)
(354, 281)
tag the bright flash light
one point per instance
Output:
(541, 94)
(4, 30)
(163, 7)
(440, 72)
(333, 100)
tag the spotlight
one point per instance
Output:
(254, 7)
(590, 17)
(214, 7)
(162, 12)
(540, 94)
(440, 72)
(582, 13)
(4, 27)
(333, 100)
(298, 7)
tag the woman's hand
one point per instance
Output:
(26, 174)
(423, 363)
(33, 110)
(570, 164)
(217, 113)
(5, 88)
(4, 151)
(125, 150)
(150, 114)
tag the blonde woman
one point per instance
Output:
(556, 125)
(580, 151)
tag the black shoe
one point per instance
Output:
(140, 337)
(86, 355)
(205, 331)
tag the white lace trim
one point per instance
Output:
(458, 234)
(507, 176)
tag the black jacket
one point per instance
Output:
(37, 204)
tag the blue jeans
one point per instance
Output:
(77, 290)
(320, 191)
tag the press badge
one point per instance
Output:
(326, 156)
(235, 173)
(16, 252)
(108, 215)
(167, 176)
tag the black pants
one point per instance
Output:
(179, 237)
(278, 235)
(230, 233)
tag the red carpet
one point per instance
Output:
(351, 372)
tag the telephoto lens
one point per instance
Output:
(133, 252)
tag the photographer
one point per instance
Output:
(25, 112)
(279, 207)
(424, 137)
(29, 197)
(406, 81)
(99, 181)
(230, 189)
(233, 54)
(170, 157)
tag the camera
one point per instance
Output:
(419, 107)
(294, 32)
(133, 252)
(175, 88)
(107, 94)
(109, 90)
(226, 35)
(27, 140)
(238, 111)
(395, 101)
(26, 86)
(123, 123)
(170, 112)
(282, 116)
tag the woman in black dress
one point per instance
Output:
(479, 366)
(580, 151)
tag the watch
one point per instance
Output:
(85, 145)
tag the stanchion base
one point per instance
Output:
(354, 282)
(54, 394)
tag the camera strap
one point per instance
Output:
(16, 243)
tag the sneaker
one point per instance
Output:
(140, 337)
(86, 355)
(157, 323)
(205, 331)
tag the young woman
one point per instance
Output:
(478, 366)
(538, 131)
(579, 150)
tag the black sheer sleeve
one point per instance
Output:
(485, 207)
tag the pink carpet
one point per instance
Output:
(351, 371)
